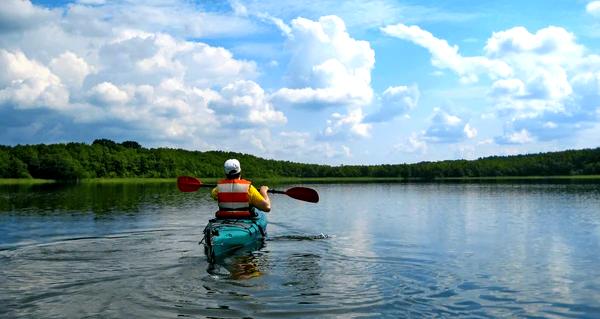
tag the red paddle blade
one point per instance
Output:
(188, 184)
(303, 193)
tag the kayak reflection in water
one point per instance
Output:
(244, 267)
(242, 264)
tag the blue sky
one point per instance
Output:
(352, 82)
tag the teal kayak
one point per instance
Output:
(225, 236)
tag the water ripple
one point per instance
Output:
(472, 251)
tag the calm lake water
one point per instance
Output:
(417, 250)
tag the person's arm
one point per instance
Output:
(260, 199)
(266, 200)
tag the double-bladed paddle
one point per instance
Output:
(192, 184)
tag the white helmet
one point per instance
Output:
(232, 166)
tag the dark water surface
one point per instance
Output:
(392, 250)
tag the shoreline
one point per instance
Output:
(309, 180)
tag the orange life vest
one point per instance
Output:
(233, 198)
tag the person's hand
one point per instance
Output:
(264, 189)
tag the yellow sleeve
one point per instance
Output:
(214, 193)
(254, 195)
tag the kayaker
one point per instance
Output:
(236, 196)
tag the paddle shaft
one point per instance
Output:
(273, 191)
(192, 184)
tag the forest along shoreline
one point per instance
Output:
(106, 161)
(316, 180)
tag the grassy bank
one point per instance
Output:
(334, 180)
(328, 180)
(127, 180)
(24, 181)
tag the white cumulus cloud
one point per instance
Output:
(89, 64)
(244, 103)
(593, 8)
(180, 18)
(445, 56)
(19, 15)
(551, 45)
(536, 78)
(291, 145)
(508, 88)
(395, 101)
(327, 67)
(541, 62)
(107, 93)
(347, 125)
(413, 144)
(470, 132)
(26, 83)
(520, 137)
(448, 128)
(71, 69)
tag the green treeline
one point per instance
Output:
(106, 158)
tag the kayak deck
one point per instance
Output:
(224, 236)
